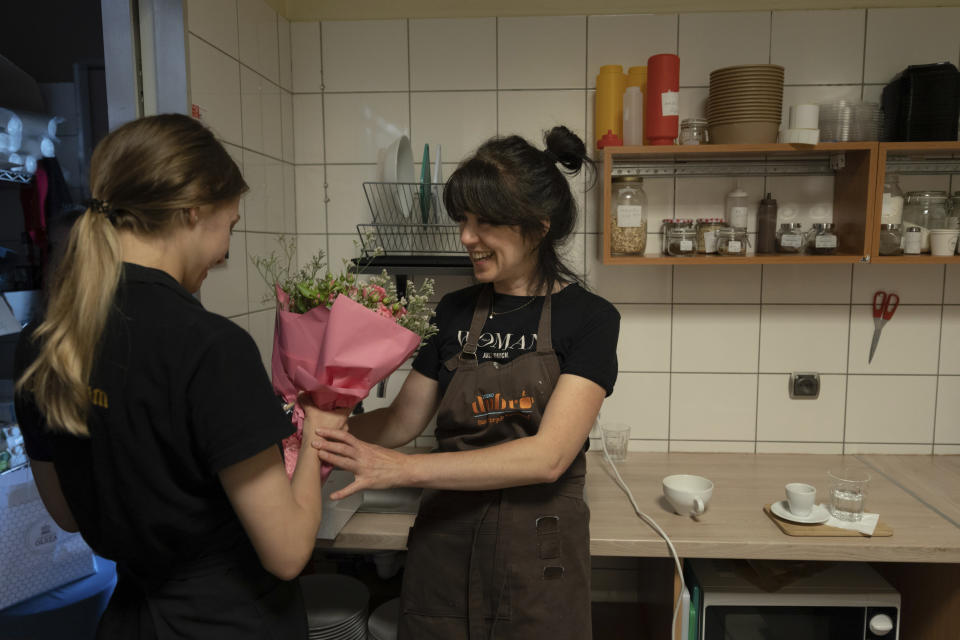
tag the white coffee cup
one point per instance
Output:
(943, 242)
(800, 498)
(688, 495)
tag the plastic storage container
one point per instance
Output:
(608, 116)
(661, 111)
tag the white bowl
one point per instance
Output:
(398, 162)
(688, 495)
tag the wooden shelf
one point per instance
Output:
(923, 150)
(857, 198)
(853, 199)
(780, 258)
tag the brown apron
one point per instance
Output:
(507, 564)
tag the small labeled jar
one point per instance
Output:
(913, 241)
(732, 241)
(790, 238)
(707, 234)
(667, 225)
(822, 240)
(628, 216)
(891, 240)
(694, 131)
(682, 241)
(891, 211)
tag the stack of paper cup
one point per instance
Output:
(804, 125)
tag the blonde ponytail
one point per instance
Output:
(80, 299)
(147, 173)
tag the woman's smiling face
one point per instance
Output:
(500, 254)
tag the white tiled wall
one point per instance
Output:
(705, 353)
(241, 79)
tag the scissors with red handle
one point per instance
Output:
(884, 304)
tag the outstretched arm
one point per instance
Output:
(566, 424)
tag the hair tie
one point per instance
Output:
(551, 156)
(102, 206)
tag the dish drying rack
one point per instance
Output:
(409, 219)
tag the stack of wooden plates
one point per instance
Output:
(745, 104)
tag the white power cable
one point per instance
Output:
(656, 527)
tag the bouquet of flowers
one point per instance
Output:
(337, 335)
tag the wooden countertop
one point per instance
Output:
(925, 530)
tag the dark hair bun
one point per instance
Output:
(567, 147)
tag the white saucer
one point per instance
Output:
(818, 514)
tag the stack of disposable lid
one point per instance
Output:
(850, 121)
(745, 104)
(336, 607)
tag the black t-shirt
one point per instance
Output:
(177, 395)
(584, 329)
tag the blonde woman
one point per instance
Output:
(150, 422)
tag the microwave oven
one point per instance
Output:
(842, 601)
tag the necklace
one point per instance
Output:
(502, 313)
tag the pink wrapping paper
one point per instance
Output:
(336, 355)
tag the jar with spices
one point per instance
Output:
(628, 216)
(682, 241)
(667, 225)
(913, 241)
(891, 211)
(822, 240)
(790, 238)
(732, 241)
(694, 131)
(707, 234)
(891, 237)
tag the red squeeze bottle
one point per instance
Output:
(661, 111)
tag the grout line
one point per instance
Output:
(863, 63)
(915, 496)
(673, 284)
(756, 414)
(770, 41)
(496, 61)
(936, 394)
(323, 120)
(846, 385)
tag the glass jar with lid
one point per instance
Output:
(891, 239)
(732, 241)
(682, 241)
(953, 209)
(927, 210)
(891, 211)
(790, 238)
(667, 225)
(628, 216)
(707, 234)
(822, 239)
(694, 131)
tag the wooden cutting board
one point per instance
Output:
(821, 530)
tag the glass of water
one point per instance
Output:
(615, 439)
(848, 493)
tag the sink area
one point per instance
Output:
(399, 500)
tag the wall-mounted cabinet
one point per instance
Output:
(905, 159)
(857, 169)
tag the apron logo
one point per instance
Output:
(98, 397)
(492, 408)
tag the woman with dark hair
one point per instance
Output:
(516, 376)
(150, 422)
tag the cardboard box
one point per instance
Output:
(36, 554)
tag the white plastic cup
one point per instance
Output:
(943, 242)
(800, 498)
(804, 116)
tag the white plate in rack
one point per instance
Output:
(818, 514)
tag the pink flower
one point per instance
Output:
(380, 291)
(384, 310)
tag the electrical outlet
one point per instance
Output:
(804, 386)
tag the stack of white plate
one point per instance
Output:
(745, 104)
(384, 620)
(336, 607)
(850, 121)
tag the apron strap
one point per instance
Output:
(468, 355)
(544, 341)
